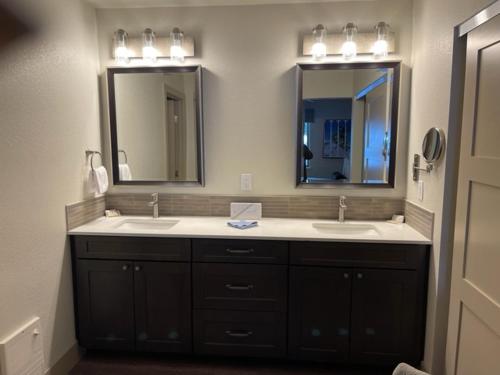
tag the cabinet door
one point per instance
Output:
(384, 317)
(163, 306)
(105, 293)
(320, 302)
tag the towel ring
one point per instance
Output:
(124, 154)
(92, 153)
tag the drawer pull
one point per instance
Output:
(242, 251)
(239, 287)
(239, 333)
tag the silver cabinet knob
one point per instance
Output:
(137, 268)
(125, 267)
(346, 275)
(360, 275)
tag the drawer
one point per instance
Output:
(253, 287)
(133, 248)
(345, 254)
(240, 251)
(240, 333)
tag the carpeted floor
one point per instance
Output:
(121, 364)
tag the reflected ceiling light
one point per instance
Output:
(349, 48)
(149, 53)
(319, 38)
(381, 45)
(120, 44)
(176, 50)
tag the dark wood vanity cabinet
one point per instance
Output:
(132, 304)
(320, 313)
(320, 301)
(385, 325)
(372, 315)
(240, 290)
(105, 304)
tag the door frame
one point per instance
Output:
(171, 92)
(453, 142)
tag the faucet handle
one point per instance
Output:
(342, 200)
(155, 196)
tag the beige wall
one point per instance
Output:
(327, 84)
(49, 116)
(249, 55)
(432, 62)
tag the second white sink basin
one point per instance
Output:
(146, 224)
(353, 229)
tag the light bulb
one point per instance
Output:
(318, 49)
(349, 48)
(149, 53)
(120, 44)
(176, 49)
(381, 46)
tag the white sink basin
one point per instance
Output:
(146, 224)
(352, 229)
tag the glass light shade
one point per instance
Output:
(381, 46)
(176, 49)
(318, 49)
(349, 48)
(149, 53)
(120, 46)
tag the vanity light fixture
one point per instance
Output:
(319, 46)
(176, 49)
(149, 53)
(381, 45)
(120, 44)
(349, 48)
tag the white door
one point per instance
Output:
(474, 323)
(376, 126)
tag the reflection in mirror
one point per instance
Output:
(433, 145)
(347, 123)
(155, 118)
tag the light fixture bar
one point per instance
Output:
(334, 42)
(162, 44)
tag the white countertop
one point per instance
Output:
(275, 229)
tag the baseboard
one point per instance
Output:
(66, 362)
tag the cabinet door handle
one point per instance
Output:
(360, 275)
(239, 251)
(239, 287)
(239, 333)
(137, 268)
(346, 275)
(125, 267)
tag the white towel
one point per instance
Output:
(99, 180)
(124, 171)
(405, 369)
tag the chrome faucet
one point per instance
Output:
(342, 208)
(154, 204)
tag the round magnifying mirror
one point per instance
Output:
(433, 145)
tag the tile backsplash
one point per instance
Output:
(421, 219)
(317, 207)
(84, 211)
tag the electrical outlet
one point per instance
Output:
(420, 190)
(246, 181)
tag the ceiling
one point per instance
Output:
(180, 3)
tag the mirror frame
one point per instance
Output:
(199, 122)
(441, 140)
(394, 120)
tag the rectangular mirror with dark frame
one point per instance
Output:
(156, 125)
(347, 123)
